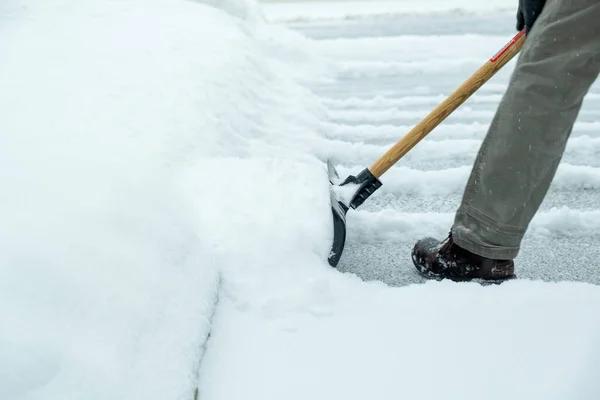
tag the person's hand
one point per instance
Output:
(528, 12)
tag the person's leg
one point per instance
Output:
(523, 147)
(521, 152)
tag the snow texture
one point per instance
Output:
(330, 335)
(166, 221)
(135, 139)
(294, 11)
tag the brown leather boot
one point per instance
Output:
(445, 260)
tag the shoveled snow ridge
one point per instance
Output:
(124, 126)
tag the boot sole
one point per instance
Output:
(481, 281)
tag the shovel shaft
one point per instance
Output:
(451, 103)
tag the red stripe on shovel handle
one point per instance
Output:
(510, 44)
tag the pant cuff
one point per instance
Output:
(480, 235)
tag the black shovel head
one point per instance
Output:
(361, 186)
(339, 211)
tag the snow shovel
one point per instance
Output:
(363, 185)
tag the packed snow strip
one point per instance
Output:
(302, 10)
(389, 224)
(398, 113)
(379, 102)
(518, 340)
(381, 69)
(135, 134)
(432, 50)
(345, 153)
(328, 88)
(417, 90)
(580, 150)
(410, 182)
(387, 133)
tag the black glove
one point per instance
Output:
(528, 12)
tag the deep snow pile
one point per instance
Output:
(126, 131)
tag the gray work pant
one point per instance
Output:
(518, 159)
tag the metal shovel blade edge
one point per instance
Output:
(338, 210)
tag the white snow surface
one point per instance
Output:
(310, 10)
(162, 179)
(144, 147)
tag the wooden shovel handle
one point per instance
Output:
(458, 97)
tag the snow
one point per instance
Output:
(127, 129)
(434, 341)
(393, 225)
(295, 11)
(166, 221)
(388, 133)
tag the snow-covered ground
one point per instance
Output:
(314, 10)
(162, 182)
